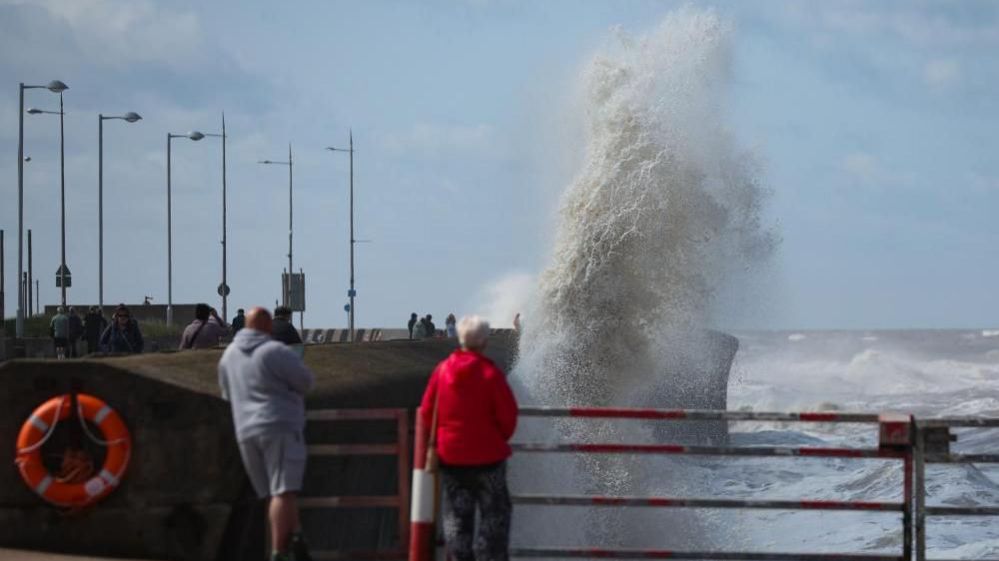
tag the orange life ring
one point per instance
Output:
(39, 427)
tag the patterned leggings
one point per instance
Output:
(464, 489)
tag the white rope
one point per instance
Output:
(48, 434)
(90, 435)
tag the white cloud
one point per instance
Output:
(941, 73)
(500, 300)
(118, 32)
(436, 140)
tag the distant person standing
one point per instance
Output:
(430, 327)
(412, 323)
(265, 383)
(420, 329)
(205, 331)
(284, 330)
(450, 326)
(123, 334)
(93, 325)
(59, 330)
(476, 414)
(238, 322)
(75, 332)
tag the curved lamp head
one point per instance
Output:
(264, 162)
(34, 111)
(195, 135)
(132, 117)
(55, 86)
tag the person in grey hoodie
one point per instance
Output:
(265, 383)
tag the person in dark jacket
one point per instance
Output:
(123, 335)
(412, 323)
(284, 330)
(75, 332)
(94, 325)
(476, 416)
(238, 322)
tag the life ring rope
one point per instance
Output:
(97, 420)
(49, 431)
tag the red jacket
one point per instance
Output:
(476, 411)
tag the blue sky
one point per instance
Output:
(876, 123)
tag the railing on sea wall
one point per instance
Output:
(399, 502)
(894, 444)
(901, 438)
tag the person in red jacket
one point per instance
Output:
(476, 416)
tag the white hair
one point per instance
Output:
(473, 332)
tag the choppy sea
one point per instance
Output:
(928, 373)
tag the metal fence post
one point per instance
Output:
(920, 483)
(896, 432)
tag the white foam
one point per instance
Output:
(990, 333)
(796, 337)
(665, 210)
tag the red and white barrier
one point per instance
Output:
(421, 516)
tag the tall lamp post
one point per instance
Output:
(129, 117)
(351, 293)
(195, 136)
(291, 223)
(63, 270)
(224, 287)
(54, 86)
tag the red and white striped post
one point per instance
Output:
(421, 516)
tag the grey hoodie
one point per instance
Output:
(266, 383)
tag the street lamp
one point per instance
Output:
(195, 136)
(351, 293)
(54, 86)
(129, 117)
(291, 223)
(63, 270)
(224, 287)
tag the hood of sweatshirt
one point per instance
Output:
(249, 339)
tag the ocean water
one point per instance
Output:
(927, 373)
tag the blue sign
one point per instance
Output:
(346, 307)
(351, 293)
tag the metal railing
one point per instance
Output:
(400, 502)
(901, 438)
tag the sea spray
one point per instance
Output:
(664, 210)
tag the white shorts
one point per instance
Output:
(275, 462)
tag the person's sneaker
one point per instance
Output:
(299, 549)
